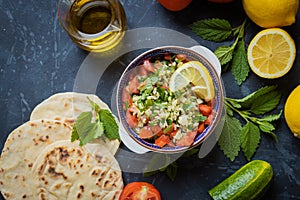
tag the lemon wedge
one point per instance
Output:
(195, 73)
(271, 53)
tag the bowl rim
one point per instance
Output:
(177, 149)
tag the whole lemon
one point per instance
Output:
(292, 111)
(271, 13)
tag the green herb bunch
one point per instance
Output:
(234, 55)
(253, 109)
(85, 130)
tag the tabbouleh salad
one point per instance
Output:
(159, 115)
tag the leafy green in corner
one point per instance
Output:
(234, 55)
(253, 109)
(86, 129)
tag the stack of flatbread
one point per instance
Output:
(39, 161)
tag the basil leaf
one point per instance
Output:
(250, 138)
(229, 140)
(239, 65)
(216, 30)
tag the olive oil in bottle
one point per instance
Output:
(96, 25)
(93, 20)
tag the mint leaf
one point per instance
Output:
(229, 111)
(266, 127)
(250, 138)
(94, 105)
(229, 141)
(239, 65)
(111, 129)
(224, 54)
(74, 135)
(234, 103)
(87, 130)
(82, 126)
(272, 117)
(247, 101)
(216, 30)
(97, 128)
(265, 103)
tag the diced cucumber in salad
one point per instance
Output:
(158, 115)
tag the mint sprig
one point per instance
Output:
(253, 110)
(234, 55)
(86, 129)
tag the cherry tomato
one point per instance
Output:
(140, 191)
(221, 1)
(174, 5)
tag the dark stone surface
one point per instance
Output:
(37, 59)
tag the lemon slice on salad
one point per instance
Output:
(193, 72)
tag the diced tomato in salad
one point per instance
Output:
(158, 115)
(131, 119)
(133, 86)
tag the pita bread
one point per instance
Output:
(38, 161)
(66, 107)
(64, 169)
(20, 151)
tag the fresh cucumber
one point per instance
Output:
(248, 182)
